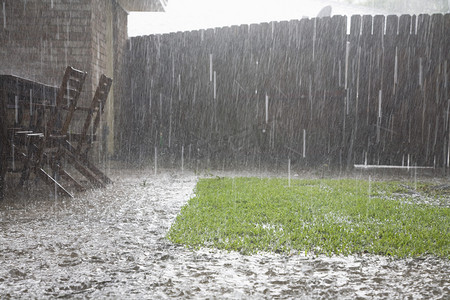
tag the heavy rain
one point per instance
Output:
(104, 139)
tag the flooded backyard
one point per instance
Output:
(110, 243)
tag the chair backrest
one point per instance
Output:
(69, 92)
(97, 107)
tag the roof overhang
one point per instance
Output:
(143, 5)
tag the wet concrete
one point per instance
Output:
(111, 243)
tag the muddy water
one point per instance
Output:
(111, 243)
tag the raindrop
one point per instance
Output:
(100, 149)
(396, 68)
(156, 160)
(379, 116)
(379, 103)
(160, 105)
(448, 155)
(57, 28)
(68, 30)
(420, 72)
(16, 108)
(31, 102)
(182, 159)
(56, 189)
(347, 53)
(214, 84)
(189, 153)
(289, 172)
(13, 155)
(369, 192)
(210, 67)
(310, 95)
(173, 68)
(170, 122)
(273, 28)
(98, 47)
(68, 94)
(65, 52)
(304, 143)
(267, 108)
(179, 87)
(445, 74)
(347, 102)
(4, 15)
(272, 135)
(314, 41)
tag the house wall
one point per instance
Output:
(120, 34)
(39, 38)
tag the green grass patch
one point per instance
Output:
(316, 216)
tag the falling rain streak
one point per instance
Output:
(31, 103)
(376, 94)
(289, 172)
(215, 85)
(304, 143)
(267, 109)
(4, 16)
(156, 161)
(16, 109)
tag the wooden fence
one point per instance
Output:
(307, 89)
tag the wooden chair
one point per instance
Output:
(78, 155)
(45, 146)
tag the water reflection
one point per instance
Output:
(110, 244)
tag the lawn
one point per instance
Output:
(344, 216)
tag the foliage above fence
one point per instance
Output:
(304, 89)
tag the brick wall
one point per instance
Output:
(39, 38)
(98, 46)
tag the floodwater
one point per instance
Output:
(110, 243)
